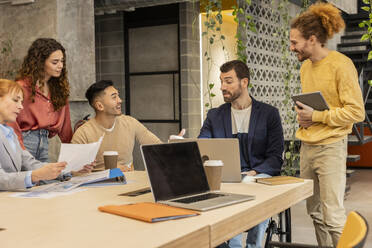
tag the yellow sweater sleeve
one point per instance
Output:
(350, 95)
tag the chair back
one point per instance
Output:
(79, 123)
(354, 233)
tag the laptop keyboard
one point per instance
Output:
(198, 198)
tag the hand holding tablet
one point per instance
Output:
(314, 100)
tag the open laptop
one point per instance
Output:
(225, 149)
(177, 177)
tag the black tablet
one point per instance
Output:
(313, 99)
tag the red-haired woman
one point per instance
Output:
(18, 169)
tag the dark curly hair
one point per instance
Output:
(33, 70)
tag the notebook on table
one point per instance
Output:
(148, 211)
(177, 178)
(278, 180)
(225, 149)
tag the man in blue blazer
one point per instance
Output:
(258, 127)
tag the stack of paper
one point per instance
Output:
(66, 187)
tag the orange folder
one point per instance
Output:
(148, 211)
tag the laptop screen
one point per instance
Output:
(174, 170)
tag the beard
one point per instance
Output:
(301, 55)
(231, 96)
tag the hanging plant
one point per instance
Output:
(213, 34)
(243, 20)
(367, 24)
(292, 146)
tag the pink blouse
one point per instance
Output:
(40, 114)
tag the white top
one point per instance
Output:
(240, 120)
(111, 128)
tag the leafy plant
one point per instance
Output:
(291, 149)
(368, 25)
(243, 20)
(213, 33)
(8, 64)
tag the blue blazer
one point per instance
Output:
(262, 148)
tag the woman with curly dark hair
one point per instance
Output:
(46, 113)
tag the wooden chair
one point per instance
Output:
(353, 236)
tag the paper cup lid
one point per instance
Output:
(213, 163)
(110, 153)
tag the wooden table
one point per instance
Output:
(74, 221)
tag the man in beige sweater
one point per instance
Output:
(120, 131)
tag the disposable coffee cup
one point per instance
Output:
(111, 159)
(213, 171)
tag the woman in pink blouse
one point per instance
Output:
(46, 113)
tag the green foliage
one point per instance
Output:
(291, 149)
(8, 64)
(305, 4)
(367, 25)
(213, 34)
(243, 19)
(291, 158)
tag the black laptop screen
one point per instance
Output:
(174, 170)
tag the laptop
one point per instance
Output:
(225, 149)
(177, 178)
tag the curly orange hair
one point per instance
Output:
(33, 70)
(321, 19)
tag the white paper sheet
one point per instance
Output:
(63, 188)
(45, 195)
(78, 155)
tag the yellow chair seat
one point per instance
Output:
(355, 230)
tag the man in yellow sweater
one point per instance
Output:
(324, 133)
(120, 130)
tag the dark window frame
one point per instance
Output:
(147, 17)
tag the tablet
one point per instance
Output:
(313, 99)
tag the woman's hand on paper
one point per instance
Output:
(48, 171)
